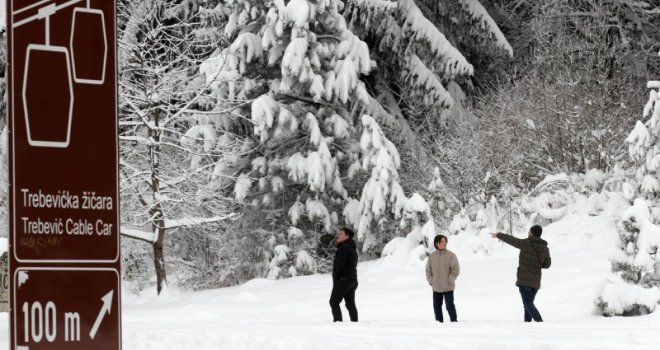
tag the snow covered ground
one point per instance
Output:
(395, 308)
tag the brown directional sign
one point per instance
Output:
(63, 131)
(66, 308)
(63, 166)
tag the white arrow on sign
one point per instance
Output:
(107, 305)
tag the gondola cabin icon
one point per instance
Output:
(51, 70)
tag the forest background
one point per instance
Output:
(250, 131)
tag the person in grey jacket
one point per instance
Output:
(441, 271)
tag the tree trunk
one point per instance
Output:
(157, 209)
(159, 261)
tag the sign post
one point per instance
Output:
(63, 175)
(4, 282)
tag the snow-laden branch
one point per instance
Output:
(424, 30)
(150, 237)
(192, 101)
(411, 139)
(146, 236)
(187, 222)
(378, 6)
(477, 11)
(416, 73)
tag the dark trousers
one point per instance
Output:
(531, 313)
(437, 305)
(346, 291)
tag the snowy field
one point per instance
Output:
(395, 308)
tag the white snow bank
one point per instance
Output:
(621, 297)
(395, 308)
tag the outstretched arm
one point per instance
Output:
(508, 239)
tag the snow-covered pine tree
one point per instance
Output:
(635, 289)
(635, 261)
(297, 67)
(644, 147)
(168, 147)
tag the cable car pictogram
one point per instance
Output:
(50, 71)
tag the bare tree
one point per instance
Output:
(170, 146)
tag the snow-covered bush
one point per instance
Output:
(560, 200)
(413, 248)
(620, 181)
(594, 179)
(470, 228)
(635, 288)
(548, 201)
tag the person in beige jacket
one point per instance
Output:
(441, 271)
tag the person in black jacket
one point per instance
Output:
(534, 256)
(344, 276)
